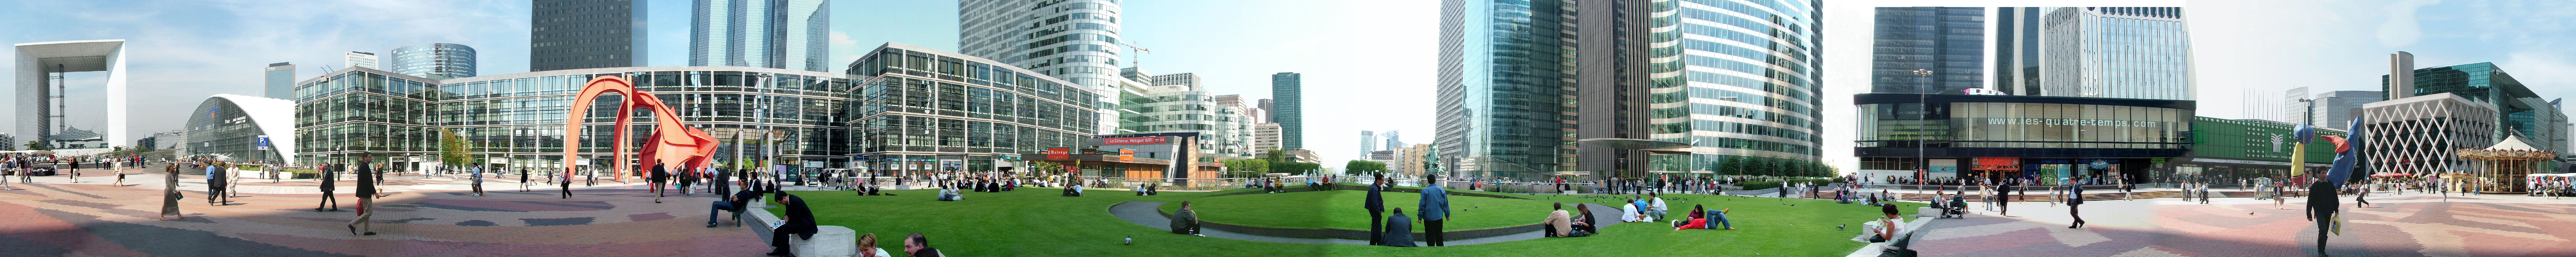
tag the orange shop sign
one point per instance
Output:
(1126, 155)
(1059, 153)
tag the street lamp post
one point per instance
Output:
(1922, 98)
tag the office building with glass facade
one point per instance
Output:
(929, 110)
(1222, 131)
(777, 34)
(2518, 110)
(242, 129)
(2116, 52)
(582, 34)
(2423, 134)
(1949, 42)
(1071, 40)
(1288, 108)
(785, 117)
(279, 81)
(434, 60)
(1513, 103)
(2019, 136)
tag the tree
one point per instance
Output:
(1053, 167)
(38, 145)
(452, 149)
(1357, 166)
(1278, 155)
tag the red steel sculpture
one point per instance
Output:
(684, 147)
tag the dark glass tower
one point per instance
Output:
(583, 34)
(1290, 115)
(1949, 41)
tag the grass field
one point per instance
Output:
(1038, 223)
(1341, 209)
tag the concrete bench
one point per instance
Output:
(828, 241)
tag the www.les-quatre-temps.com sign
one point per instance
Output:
(1133, 140)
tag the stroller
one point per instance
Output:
(1956, 208)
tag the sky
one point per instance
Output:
(1368, 65)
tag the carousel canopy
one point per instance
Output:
(2511, 148)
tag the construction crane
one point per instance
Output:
(1132, 49)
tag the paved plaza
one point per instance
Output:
(422, 217)
(2396, 225)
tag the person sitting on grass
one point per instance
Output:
(1399, 229)
(919, 246)
(1558, 223)
(1185, 221)
(868, 246)
(1583, 221)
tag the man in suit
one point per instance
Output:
(330, 181)
(1399, 230)
(2074, 199)
(1185, 221)
(1434, 211)
(366, 200)
(1376, 206)
(2321, 208)
(799, 222)
(732, 203)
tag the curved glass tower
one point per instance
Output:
(434, 59)
(1524, 83)
(1073, 40)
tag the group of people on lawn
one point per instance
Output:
(1581, 222)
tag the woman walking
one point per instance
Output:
(170, 191)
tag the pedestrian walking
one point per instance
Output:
(2322, 210)
(215, 184)
(360, 225)
(566, 182)
(656, 179)
(330, 182)
(477, 174)
(170, 192)
(2075, 197)
(523, 179)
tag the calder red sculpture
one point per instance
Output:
(682, 147)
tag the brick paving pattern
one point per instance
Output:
(2397, 225)
(57, 218)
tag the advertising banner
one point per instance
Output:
(1134, 140)
(1997, 164)
(1059, 153)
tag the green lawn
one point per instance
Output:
(1038, 223)
(1341, 209)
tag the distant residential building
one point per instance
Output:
(280, 82)
(1224, 130)
(1287, 110)
(435, 61)
(1265, 136)
(582, 34)
(777, 34)
(2336, 109)
(1382, 155)
(1409, 160)
(360, 60)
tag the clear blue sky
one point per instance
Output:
(1368, 64)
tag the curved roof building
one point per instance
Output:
(232, 125)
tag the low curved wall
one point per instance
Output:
(1358, 234)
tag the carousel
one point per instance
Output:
(2500, 169)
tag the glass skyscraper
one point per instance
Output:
(1704, 75)
(1072, 40)
(1948, 41)
(434, 60)
(777, 34)
(2116, 52)
(280, 81)
(582, 34)
(1287, 109)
